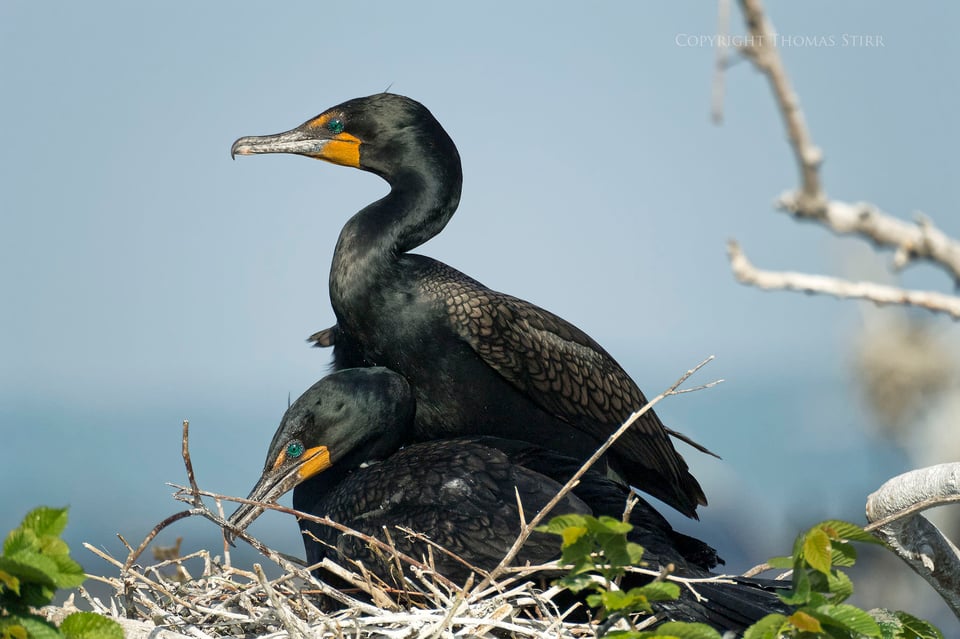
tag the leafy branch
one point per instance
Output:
(600, 553)
(35, 564)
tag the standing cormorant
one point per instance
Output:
(479, 362)
(337, 448)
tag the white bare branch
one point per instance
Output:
(762, 51)
(747, 273)
(912, 241)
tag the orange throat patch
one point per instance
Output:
(317, 461)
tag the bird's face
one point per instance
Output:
(371, 133)
(360, 414)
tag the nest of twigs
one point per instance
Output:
(227, 601)
(165, 600)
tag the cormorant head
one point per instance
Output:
(381, 133)
(349, 417)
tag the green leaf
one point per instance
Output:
(36, 627)
(838, 529)
(579, 553)
(573, 534)
(9, 582)
(767, 628)
(781, 563)
(900, 625)
(843, 554)
(659, 590)
(850, 618)
(801, 590)
(816, 550)
(53, 546)
(20, 540)
(45, 521)
(595, 600)
(635, 551)
(840, 586)
(618, 600)
(608, 525)
(913, 628)
(816, 600)
(804, 622)
(797, 552)
(89, 625)
(69, 573)
(684, 630)
(33, 566)
(30, 567)
(11, 629)
(614, 549)
(558, 524)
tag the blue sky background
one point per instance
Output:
(146, 278)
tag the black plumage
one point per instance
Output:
(479, 362)
(337, 448)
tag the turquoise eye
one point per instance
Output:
(335, 126)
(294, 449)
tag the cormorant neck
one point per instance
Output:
(418, 206)
(309, 495)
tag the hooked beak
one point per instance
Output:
(299, 141)
(276, 482)
(312, 139)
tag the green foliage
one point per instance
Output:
(599, 552)
(89, 625)
(585, 540)
(35, 563)
(819, 591)
(671, 630)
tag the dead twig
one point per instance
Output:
(134, 554)
(747, 273)
(185, 453)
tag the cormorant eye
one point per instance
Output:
(335, 126)
(294, 449)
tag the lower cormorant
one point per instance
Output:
(337, 448)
